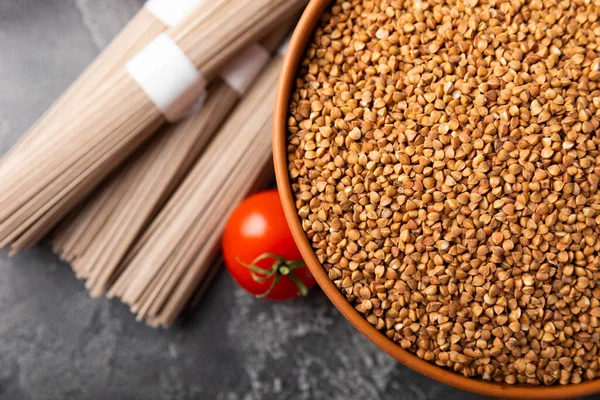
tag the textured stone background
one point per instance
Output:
(56, 343)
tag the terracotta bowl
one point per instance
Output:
(300, 39)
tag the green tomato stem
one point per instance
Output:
(280, 267)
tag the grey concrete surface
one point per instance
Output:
(56, 343)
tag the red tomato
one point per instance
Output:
(260, 252)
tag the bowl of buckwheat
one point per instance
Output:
(439, 166)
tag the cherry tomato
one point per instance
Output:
(259, 250)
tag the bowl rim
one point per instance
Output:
(298, 42)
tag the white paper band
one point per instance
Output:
(172, 12)
(167, 76)
(283, 47)
(241, 72)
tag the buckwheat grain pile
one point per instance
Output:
(445, 161)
